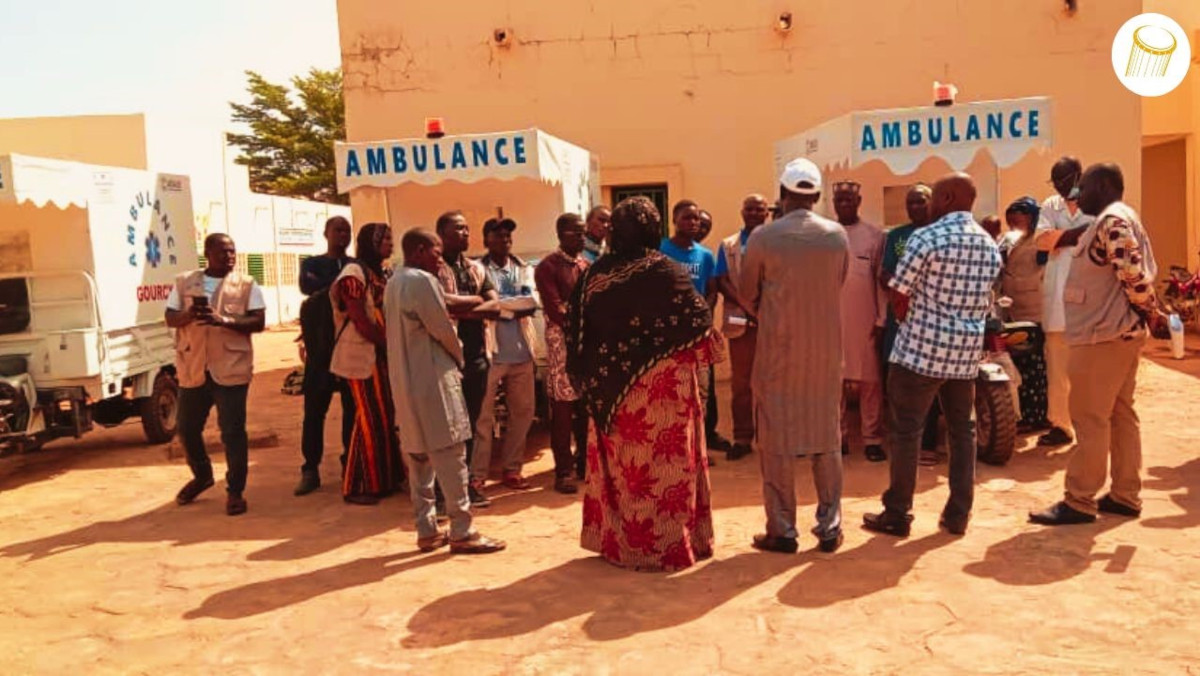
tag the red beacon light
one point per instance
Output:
(434, 127)
(944, 94)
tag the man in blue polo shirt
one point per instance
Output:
(701, 266)
(699, 262)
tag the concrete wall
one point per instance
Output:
(281, 230)
(1164, 208)
(695, 94)
(1176, 116)
(111, 140)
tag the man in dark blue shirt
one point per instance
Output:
(318, 336)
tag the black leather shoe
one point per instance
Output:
(738, 452)
(771, 543)
(235, 504)
(888, 524)
(954, 526)
(875, 453)
(716, 442)
(1055, 437)
(309, 482)
(830, 545)
(565, 485)
(1060, 514)
(192, 490)
(1110, 506)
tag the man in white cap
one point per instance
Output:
(792, 279)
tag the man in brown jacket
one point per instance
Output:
(213, 312)
(556, 277)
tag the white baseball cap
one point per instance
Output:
(801, 176)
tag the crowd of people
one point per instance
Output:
(817, 314)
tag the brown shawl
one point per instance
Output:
(625, 316)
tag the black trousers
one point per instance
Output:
(474, 385)
(582, 419)
(711, 417)
(319, 389)
(910, 396)
(194, 406)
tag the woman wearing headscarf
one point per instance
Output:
(639, 338)
(373, 464)
(1021, 280)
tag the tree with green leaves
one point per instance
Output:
(289, 149)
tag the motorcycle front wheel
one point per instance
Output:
(995, 423)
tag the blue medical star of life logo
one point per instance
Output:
(153, 250)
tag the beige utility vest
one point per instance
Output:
(226, 355)
(733, 258)
(1098, 310)
(353, 353)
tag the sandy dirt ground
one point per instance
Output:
(102, 573)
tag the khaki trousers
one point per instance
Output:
(520, 397)
(741, 355)
(870, 410)
(1103, 379)
(1058, 381)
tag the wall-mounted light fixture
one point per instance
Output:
(783, 23)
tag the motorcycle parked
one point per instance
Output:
(996, 396)
(1181, 294)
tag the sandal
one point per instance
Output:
(516, 482)
(433, 542)
(476, 544)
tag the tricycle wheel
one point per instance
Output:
(995, 423)
(159, 410)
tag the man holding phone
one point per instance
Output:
(213, 312)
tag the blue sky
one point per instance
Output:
(178, 62)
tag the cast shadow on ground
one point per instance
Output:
(590, 586)
(121, 446)
(1187, 477)
(271, 595)
(1159, 352)
(877, 565)
(1051, 554)
(204, 522)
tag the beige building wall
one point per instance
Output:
(110, 140)
(1170, 126)
(694, 95)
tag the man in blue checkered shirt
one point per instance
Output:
(942, 294)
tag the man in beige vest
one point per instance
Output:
(1110, 302)
(213, 312)
(739, 326)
